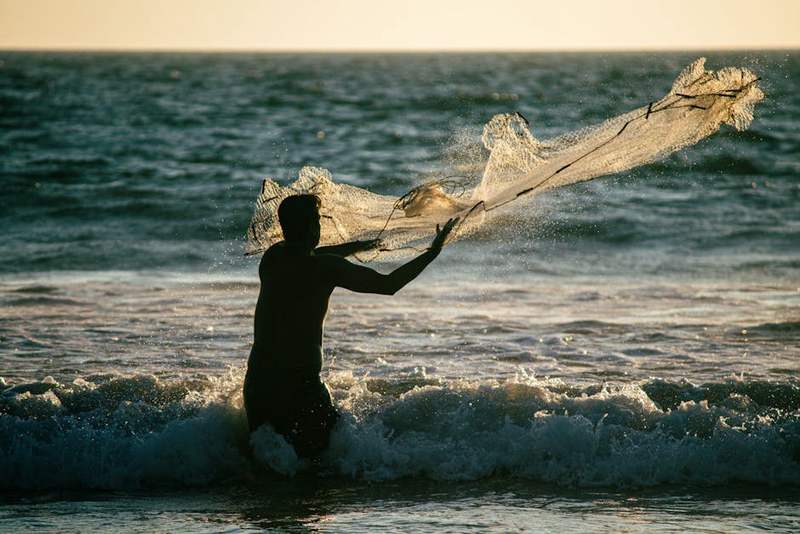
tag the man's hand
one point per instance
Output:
(368, 244)
(441, 234)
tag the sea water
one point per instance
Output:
(618, 355)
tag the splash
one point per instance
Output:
(144, 432)
(518, 165)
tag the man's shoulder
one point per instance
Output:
(270, 256)
(276, 248)
(331, 267)
(327, 260)
(273, 252)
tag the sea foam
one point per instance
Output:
(139, 432)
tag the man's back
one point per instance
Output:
(292, 303)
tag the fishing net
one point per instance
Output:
(518, 165)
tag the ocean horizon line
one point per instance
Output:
(390, 51)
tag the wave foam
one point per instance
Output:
(115, 432)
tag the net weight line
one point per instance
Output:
(669, 102)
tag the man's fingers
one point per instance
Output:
(443, 231)
(450, 224)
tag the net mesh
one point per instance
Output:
(518, 165)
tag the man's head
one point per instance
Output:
(299, 218)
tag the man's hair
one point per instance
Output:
(296, 214)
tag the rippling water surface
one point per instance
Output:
(621, 354)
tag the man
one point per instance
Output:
(282, 386)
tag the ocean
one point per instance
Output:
(621, 354)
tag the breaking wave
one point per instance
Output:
(116, 432)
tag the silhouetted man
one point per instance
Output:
(282, 386)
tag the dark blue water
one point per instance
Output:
(152, 161)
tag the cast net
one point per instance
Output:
(518, 165)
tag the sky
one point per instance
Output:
(363, 25)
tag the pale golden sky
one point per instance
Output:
(399, 24)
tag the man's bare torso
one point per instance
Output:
(291, 309)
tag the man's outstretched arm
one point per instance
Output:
(347, 249)
(365, 280)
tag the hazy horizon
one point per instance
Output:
(396, 51)
(415, 26)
